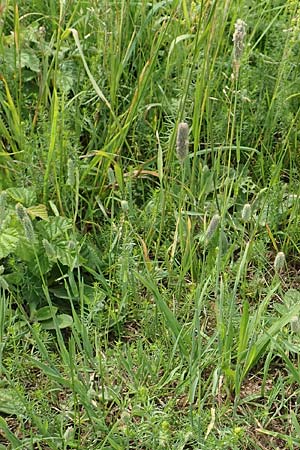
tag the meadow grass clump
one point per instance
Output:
(148, 176)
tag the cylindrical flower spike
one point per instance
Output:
(279, 262)
(182, 142)
(71, 172)
(26, 221)
(246, 213)
(238, 43)
(212, 227)
(50, 251)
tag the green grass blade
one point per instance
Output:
(171, 321)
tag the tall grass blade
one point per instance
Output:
(171, 321)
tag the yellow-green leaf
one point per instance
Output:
(38, 211)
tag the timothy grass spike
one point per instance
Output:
(279, 262)
(182, 142)
(212, 227)
(238, 43)
(71, 172)
(246, 213)
(26, 222)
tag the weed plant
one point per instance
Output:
(149, 205)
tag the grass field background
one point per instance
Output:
(149, 224)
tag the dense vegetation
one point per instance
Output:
(149, 208)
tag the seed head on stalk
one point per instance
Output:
(182, 142)
(238, 43)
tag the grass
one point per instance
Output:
(149, 302)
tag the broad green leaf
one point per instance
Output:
(45, 313)
(60, 292)
(25, 250)
(25, 196)
(63, 321)
(55, 228)
(38, 211)
(67, 76)
(67, 257)
(30, 60)
(291, 297)
(9, 239)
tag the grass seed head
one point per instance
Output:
(20, 211)
(182, 142)
(28, 228)
(212, 227)
(279, 262)
(26, 222)
(124, 206)
(71, 245)
(50, 251)
(238, 43)
(246, 213)
(71, 172)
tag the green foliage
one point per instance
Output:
(139, 303)
(31, 253)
